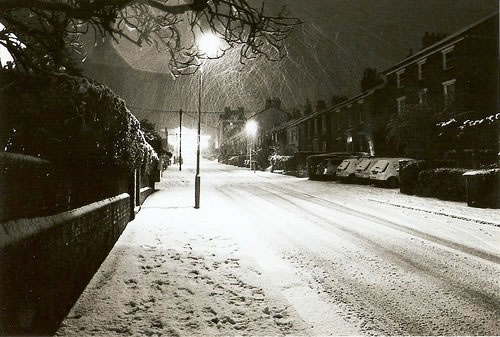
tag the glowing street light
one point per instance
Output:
(251, 129)
(208, 44)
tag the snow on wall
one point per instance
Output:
(46, 262)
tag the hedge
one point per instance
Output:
(443, 183)
(408, 175)
(483, 188)
(71, 121)
(410, 169)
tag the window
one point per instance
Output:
(422, 96)
(400, 80)
(401, 104)
(449, 89)
(323, 124)
(420, 64)
(448, 58)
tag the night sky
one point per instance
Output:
(327, 55)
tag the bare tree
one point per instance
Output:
(42, 34)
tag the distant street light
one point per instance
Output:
(208, 44)
(251, 128)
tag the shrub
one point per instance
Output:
(483, 187)
(71, 121)
(443, 183)
(278, 162)
(408, 175)
(410, 169)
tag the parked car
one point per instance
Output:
(346, 170)
(363, 170)
(386, 171)
(323, 166)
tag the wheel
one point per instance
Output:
(393, 182)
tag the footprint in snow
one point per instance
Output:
(185, 290)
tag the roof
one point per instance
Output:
(442, 44)
(335, 107)
(267, 109)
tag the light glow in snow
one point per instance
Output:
(189, 142)
(251, 127)
(209, 44)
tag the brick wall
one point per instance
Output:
(46, 262)
(144, 193)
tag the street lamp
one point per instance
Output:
(251, 128)
(208, 44)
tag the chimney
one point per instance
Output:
(320, 105)
(273, 102)
(337, 99)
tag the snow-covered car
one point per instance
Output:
(347, 169)
(386, 171)
(363, 169)
(323, 166)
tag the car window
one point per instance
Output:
(363, 165)
(344, 165)
(381, 166)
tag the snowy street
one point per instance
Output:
(268, 254)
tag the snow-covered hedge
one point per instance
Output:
(443, 183)
(483, 187)
(408, 175)
(74, 120)
(278, 162)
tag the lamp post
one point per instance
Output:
(251, 128)
(209, 45)
(180, 140)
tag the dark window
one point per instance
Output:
(449, 58)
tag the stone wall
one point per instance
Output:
(46, 262)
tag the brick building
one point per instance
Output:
(459, 71)
(462, 67)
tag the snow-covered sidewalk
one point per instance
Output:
(268, 254)
(170, 273)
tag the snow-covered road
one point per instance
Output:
(268, 254)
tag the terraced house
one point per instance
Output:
(457, 74)
(461, 68)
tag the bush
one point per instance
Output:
(410, 169)
(278, 162)
(469, 158)
(408, 175)
(483, 188)
(71, 121)
(443, 183)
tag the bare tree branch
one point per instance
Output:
(51, 28)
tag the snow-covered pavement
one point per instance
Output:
(268, 254)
